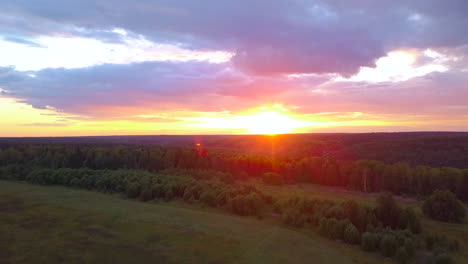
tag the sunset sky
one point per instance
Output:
(93, 67)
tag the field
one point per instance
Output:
(48, 224)
(62, 225)
(453, 231)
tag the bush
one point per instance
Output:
(441, 242)
(323, 226)
(409, 247)
(409, 219)
(146, 194)
(369, 241)
(388, 245)
(249, 204)
(444, 206)
(158, 191)
(294, 217)
(169, 194)
(272, 178)
(387, 210)
(208, 197)
(132, 190)
(443, 258)
(334, 228)
(402, 256)
(351, 234)
(221, 199)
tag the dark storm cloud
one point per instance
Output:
(269, 36)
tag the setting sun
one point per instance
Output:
(270, 123)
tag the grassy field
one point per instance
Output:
(60, 225)
(46, 224)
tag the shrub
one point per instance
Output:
(294, 217)
(440, 242)
(402, 256)
(132, 190)
(208, 197)
(188, 194)
(75, 182)
(168, 195)
(351, 234)
(146, 194)
(335, 211)
(387, 210)
(369, 241)
(323, 226)
(409, 219)
(249, 204)
(388, 245)
(272, 178)
(444, 206)
(443, 258)
(409, 247)
(158, 190)
(221, 199)
(335, 228)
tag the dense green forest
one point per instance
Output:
(363, 175)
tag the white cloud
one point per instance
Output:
(399, 66)
(78, 52)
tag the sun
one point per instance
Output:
(270, 123)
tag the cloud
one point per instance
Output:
(106, 90)
(268, 36)
(442, 94)
(142, 90)
(45, 124)
(22, 41)
(289, 52)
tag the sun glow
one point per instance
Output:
(270, 123)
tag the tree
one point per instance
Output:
(369, 241)
(146, 194)
(351, 234)
(402, 256)
(444, 206)
(387, 210)
(294, 217)
(443, 258)
(409, 247)
(388, 245)
(272, 178)
(409, 219)
(208, 197)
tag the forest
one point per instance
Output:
(359, 174)
(221, 177)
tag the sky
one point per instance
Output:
(93, 67)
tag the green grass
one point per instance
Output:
(44, 224)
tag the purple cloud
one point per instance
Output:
(268, 36)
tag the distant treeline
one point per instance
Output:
(435, 149)
(363, 175)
